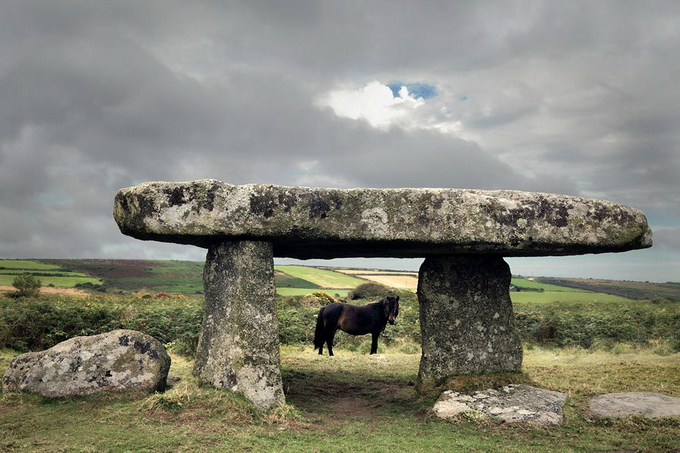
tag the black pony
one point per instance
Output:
(354, 320)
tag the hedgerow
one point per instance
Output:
(638, 323)
(31, 324)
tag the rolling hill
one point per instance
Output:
(186, 277)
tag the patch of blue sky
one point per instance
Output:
(659, 218)
(417, 90)
(55, 198)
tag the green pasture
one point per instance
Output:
(304, 291)
(351, 402)
(324, 278)
(48, 274)
(60, 282)
(26, 265)
(177, 277)
(548, 297)
(523, 283)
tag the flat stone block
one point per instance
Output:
(512, 404)
(331, 223)
(619, 405)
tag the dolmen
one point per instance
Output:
(466, 316)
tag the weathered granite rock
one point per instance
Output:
(239, 344)
(331, 223)
(512, 404)
(115, 361)
(466, 320)
(620, 405)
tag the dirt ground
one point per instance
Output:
(51, 290)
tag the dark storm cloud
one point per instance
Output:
(570, 97)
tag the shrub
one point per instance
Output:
(27, 285)
(296, 325)
(41, 323)
(317, 299)
(599, 326)
(370, 290)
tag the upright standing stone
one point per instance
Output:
(239, 344)
(466, 318)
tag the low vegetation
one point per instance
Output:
(352, 402)
(27, 285)
(580, 342)
(48, 274)
(37, 323)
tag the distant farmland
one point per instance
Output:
(48, 274)
(186, 277)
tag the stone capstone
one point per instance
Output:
(331, 223)
(620, 405)
(512, 404)
(122, 360)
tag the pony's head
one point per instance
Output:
(391, 306)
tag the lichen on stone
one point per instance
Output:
(329, 223)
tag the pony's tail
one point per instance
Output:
(319, 336)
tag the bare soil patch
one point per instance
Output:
(394, 281)
(329, 402)
(51, 290)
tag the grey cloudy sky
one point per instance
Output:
(577, 97)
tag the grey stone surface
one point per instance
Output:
(239, 345)
(466, 319)
(122, 360)
(619, 405)
(512, 404)
(329, 223)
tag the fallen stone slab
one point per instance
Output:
(512, 404)
(619, 405)
(122, 360)
(305, 222)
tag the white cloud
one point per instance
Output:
(374, 103)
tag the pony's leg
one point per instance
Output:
(329, 341)
(374, 343)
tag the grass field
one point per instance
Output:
(185, 277)
(142, 275)
(48, 274)
(351, 402)
(26, 265)
(393, 279)
(324, 278)
(304, 291)
(564, 296)
(523, 283)
(348, 403)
